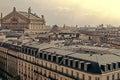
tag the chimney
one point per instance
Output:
(43, 19)
(14, 9)
(42, 16)
(29, 11)
(1, 19)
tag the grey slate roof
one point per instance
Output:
(101, 59)
(58, 51)
(111, 55)
(96, 60)
(38, 45)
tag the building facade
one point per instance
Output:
(24, 21)
(36, 61)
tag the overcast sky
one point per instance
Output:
(69, 12)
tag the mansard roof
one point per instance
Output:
(98, 60)
(102, 59)
(96, 54)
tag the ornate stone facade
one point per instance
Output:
(23, 21)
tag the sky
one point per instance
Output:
(69, 12)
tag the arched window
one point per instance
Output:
(14, 20)
(113, 77)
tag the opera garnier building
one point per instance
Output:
(23, 21)
(53, 61)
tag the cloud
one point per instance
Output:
(63, 8)
(69, 12)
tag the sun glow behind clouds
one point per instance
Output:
(79, 11)
(105, 7)
(109, 8)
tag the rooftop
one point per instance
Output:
(100, 58)
(95, 56)
(32, 16)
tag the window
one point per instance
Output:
(118, 76)
(26, 57)
(49, 57)
(29, 58)
(46, 64)
(62, 69)
(66, 71)
(76, 65)
(55, 76)
(77, 75)
(45, 56)
(72, 73)
(83, 77)
(113, 77)
(51, 66)
(49, 73)
(44, 72)
(60, 78)
(14, 20)
(114, 66)
(107, 78)
(119, 64)
(23, 56)
(89, 78)
(108, 66)
(41, 62)
(103, 67)
(97, 78)
(55, 67)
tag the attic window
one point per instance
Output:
(114, 66)
(103, 68)
(119, 64)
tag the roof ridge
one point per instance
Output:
(35, 15)
(32, 15)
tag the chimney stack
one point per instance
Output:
(44, 22)
(1, 19)
(42, 16)
(14, 9)
(29, 11)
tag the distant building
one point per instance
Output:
(2, 36)
(115, 42)
(24, 21)
(65, 32)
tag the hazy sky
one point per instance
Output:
(69, 12)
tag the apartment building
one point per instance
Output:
(115, 42)
(45, 61)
